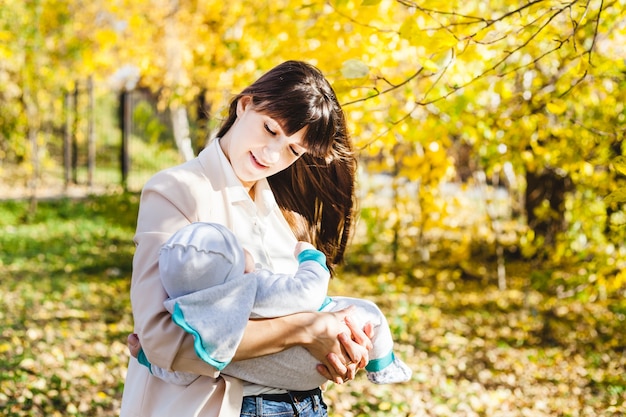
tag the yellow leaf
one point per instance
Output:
(409, 30)
(5, 52)
(620, 164)
(617, 196)
(430, 65)
(6, 36)
(480, 35)
(556, 107)
(136, 21)
(582, 67)
(384, 406)
(106, 37)
(441, 40)
(370, 2)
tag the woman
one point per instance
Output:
(281, 170)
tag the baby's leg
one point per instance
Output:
(383, 367)
(293, 369)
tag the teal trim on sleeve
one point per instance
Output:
(327, 301)
(179, 319)
(141, 357)
(313, 255)
(381, 363)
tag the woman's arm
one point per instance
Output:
(329, 337)
(166, 206)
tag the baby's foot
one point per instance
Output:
(397, 371)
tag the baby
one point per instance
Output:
(206, 272)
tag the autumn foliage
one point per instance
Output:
(490, 138)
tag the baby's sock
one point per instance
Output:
(396, 371)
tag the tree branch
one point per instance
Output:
(393, 87)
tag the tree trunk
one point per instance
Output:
(551, 186)
(125, 108)
(75, 137)
(175, 75)
(67, 138)
(91, 135)
(180, 125)
(32, 113)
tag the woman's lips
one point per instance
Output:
(256, 162)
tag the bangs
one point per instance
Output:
(298, 97)
(297, 111)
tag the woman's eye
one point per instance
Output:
(294, 151)
(270, 131)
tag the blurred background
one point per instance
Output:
(490, 137)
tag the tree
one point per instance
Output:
(535, 88)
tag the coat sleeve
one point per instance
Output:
(166, 205)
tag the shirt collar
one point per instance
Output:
(222, 175)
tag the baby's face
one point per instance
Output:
(249, 262)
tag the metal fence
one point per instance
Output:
(109, 142)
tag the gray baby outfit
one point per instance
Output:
(202, 271)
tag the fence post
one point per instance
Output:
(126, 121)
(67, 138)
(75, 137)
(91, 134)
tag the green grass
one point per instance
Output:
(64, 313)
(474, 350)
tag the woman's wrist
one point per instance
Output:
(300, 329)
(273, 335)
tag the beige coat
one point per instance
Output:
(204, 189)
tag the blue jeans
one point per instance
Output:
(284, 405)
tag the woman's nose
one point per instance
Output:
(272, 152)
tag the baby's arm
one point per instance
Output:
(283, 294)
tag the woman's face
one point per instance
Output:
(256, 145)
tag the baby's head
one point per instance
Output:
(197, 255)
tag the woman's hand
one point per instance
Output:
(340, 345)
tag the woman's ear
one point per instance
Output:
(242, 104)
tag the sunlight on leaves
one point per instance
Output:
(354, 68)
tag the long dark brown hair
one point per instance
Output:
(317, 192)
